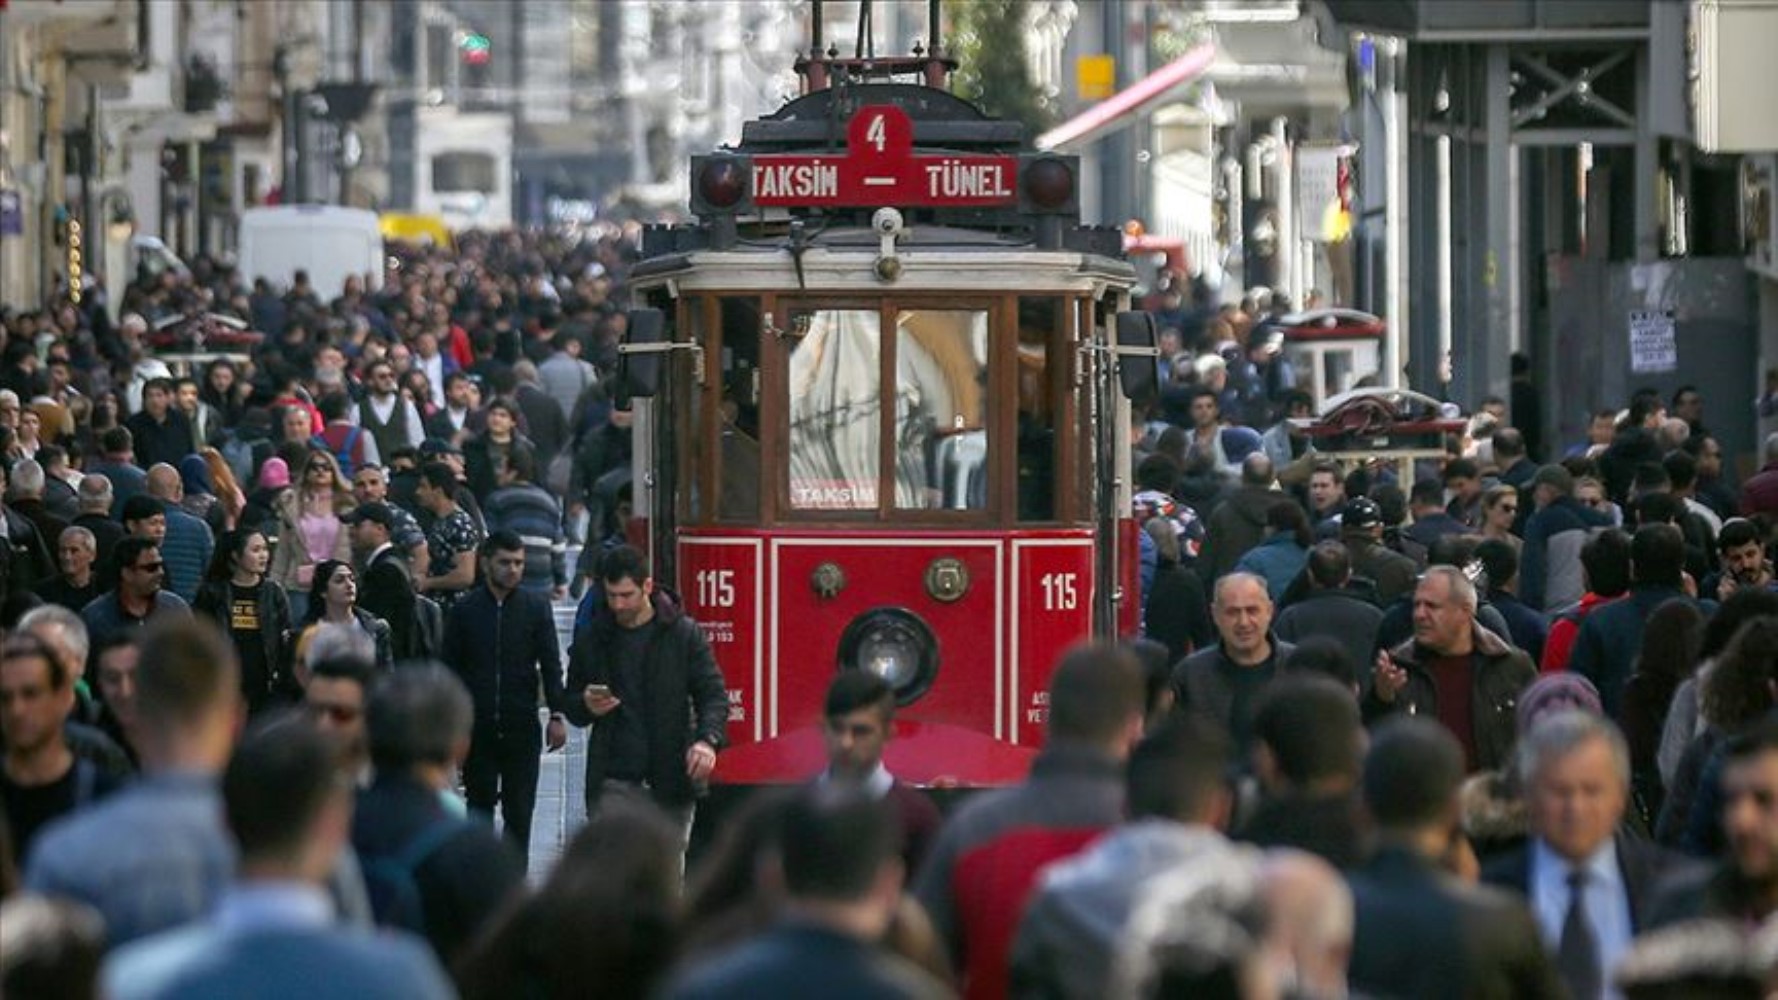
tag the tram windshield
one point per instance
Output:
(940, 409)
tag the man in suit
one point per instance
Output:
(273, 933)
(387, 590)
(1420, 932)
(1588, 887)
(842, 883)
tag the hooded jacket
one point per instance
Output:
(1235, 526)
(1550, 571)
(684, 701)
(1499, 673)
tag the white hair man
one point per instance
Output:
(1453, 670)
(1588, 886)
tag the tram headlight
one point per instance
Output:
(722, 181)
(895, 645)
(1049, 184)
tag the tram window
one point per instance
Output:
(941, 409)
(738, 451)
(835, 406)
(1039, 321)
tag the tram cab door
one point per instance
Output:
(651, 382)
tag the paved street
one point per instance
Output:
(560, 807)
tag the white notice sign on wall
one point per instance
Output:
(1653, 347)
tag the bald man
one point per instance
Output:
(1224, 681)
(189, 543)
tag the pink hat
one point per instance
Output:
(274, 474)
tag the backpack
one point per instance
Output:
(390, 879)
(428, 628)
(343, 454)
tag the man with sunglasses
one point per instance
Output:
(391, 420)
(138, 599)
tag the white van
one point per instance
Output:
(328, 241)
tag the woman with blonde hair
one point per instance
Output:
(309, 529)
(1500, 509)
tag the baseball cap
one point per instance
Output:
(1360, 512)
(376, 511)
(1554, 475)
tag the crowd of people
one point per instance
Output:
(280, 642)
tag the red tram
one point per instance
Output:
(882, 394)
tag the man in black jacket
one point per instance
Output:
(501, 641)
(1420, 932)
(635, 672)
(388, 589)
(1331, 607)
(1224, 681)
(159, 431)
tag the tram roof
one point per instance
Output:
(933, 258)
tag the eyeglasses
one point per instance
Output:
(341, 714)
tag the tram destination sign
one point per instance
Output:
(880, 167)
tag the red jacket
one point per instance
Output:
(1563, 630)
(1759, 495)
(983, 868)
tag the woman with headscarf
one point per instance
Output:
(274, 482)
(1491, 804)
(200, 494)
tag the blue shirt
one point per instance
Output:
(1607, 902)
(148, 858)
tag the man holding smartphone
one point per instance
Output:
(634, 673)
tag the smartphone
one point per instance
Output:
(599, 690)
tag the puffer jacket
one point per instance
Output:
(1499, 673)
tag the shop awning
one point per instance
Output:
(1123, 108)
